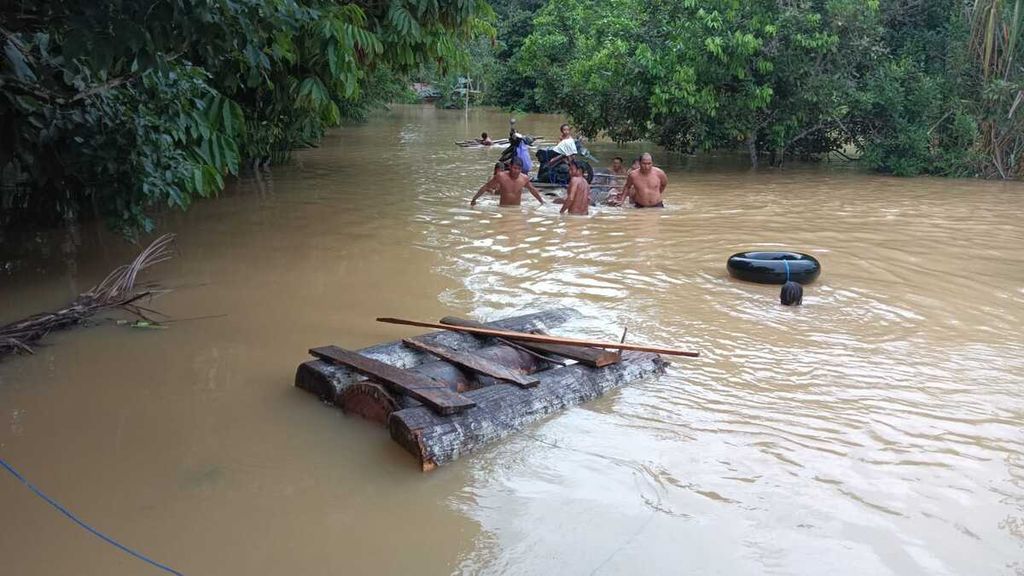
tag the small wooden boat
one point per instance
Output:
(446, 394)
(475, 143)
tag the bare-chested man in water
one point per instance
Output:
(509, 185)
(646, 185)
(577, 198)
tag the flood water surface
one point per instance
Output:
(877, 429)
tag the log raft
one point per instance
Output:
(481, 388)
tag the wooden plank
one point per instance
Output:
(434, 394)
(476, 364)
(328, 380)
(503, 408)
(525, 337)
(595, 357)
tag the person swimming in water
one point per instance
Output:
(792, 294)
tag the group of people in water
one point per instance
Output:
(641, 186)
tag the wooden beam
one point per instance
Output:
(595, 357)
(524, 337)
(432, 393)
(474, 363)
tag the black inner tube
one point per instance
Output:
(774, 267)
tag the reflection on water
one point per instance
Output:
(874, 430)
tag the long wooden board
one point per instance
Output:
(589, 356)
(430, 392)
(475, 363)
(524, 337)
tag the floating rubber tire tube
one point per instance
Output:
(774, 267)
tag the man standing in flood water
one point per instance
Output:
(509, 185)
(577, 198)
(646, 185)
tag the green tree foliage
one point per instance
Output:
(116, 106)
(911, 86)
(507, 87)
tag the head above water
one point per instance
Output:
(515, 167)
(792, 294)
(617, 162)
(646, 162)
(498, 167)
(483, 135)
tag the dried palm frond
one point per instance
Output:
(118, 289)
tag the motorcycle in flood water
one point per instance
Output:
(547, 174)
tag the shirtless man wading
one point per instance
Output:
(509, 185)
(577, 198)
(646, 185)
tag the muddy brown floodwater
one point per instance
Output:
(875, 430)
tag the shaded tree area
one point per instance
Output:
(114, 107)
(910, 86)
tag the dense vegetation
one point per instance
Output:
(912, 86)
(114, 106)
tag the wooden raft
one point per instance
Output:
(445, 394)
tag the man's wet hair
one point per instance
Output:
(498, 166)
(619, 158)
(515, 161)
(574, 164)
(483, 135)
(792, 294)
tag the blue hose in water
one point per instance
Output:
(75, 519)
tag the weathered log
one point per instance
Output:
(504, 408)
(328, 380)
(474, 363)
(596, 357)
(367, 401)
(435, 394)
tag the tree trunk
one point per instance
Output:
(501, 409)
(366, 399)
(752, 148)
(328, 380)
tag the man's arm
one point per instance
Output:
(489, 185)
(629, 189)
(662, 181)
(536, 194)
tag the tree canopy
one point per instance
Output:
(911, 86)
(117, 106)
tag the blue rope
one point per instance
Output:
(786, 262)
(74, 519)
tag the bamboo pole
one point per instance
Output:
(525, 337)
